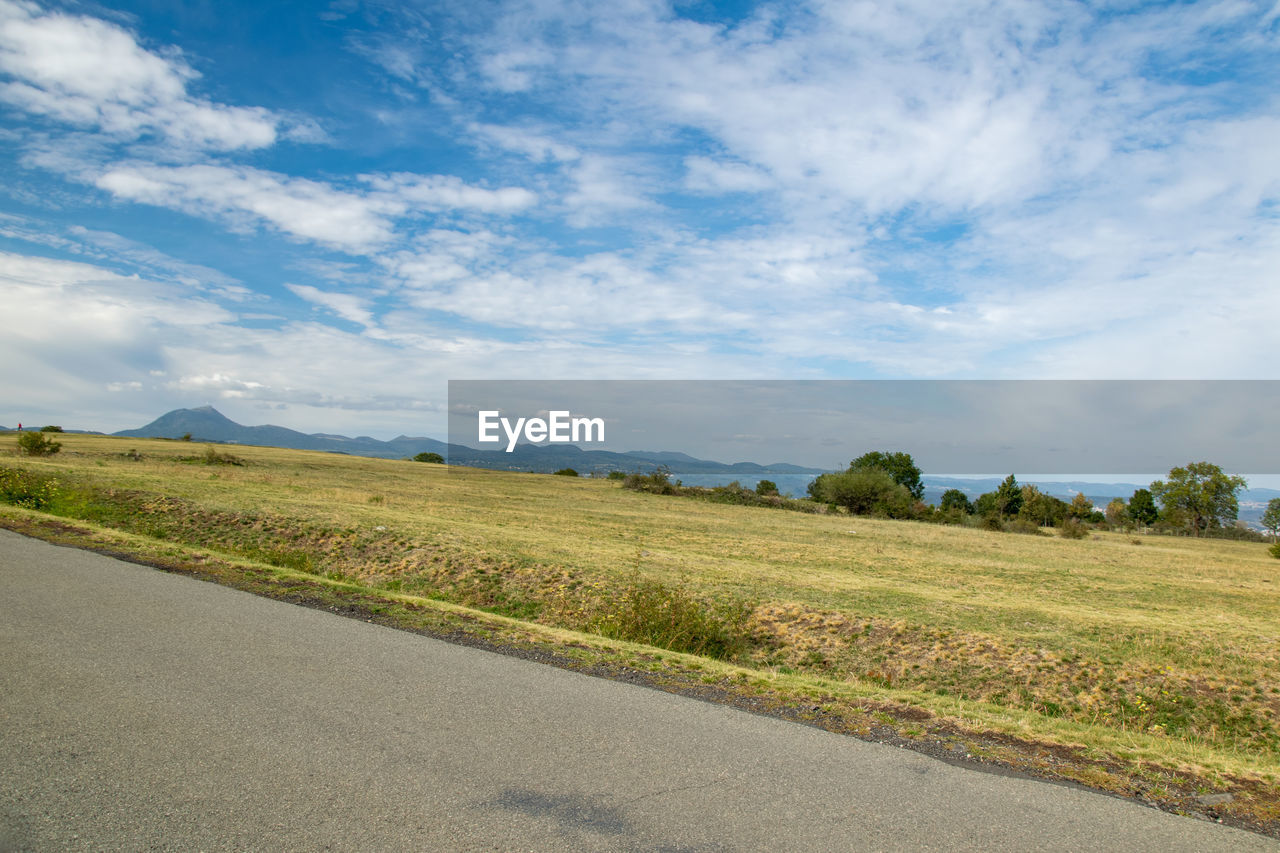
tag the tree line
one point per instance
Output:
(1198, 499)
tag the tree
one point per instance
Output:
(37, 444)
(1142, 507)
(1008, 498)
(1036, 506)
(566, 472)
(956, 499)
(1117, 513)
(1271, 518)
(1201, 494)
(766, 487)
(862, 491)
(1081, 507)
(900, 466)
(429, 457)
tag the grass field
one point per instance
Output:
(1147, 658)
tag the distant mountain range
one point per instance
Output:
(208, 424)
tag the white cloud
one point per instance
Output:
(91, 73)
(347, 306)
(296, 206)
(446, 192)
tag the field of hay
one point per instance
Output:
(1149, 649)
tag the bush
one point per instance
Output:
(1274, 550)
(657, 482)
(617, 475)
(1073, 529)
(863, 491)
(670, 617)
(1025, 525)
(51, 428)
(37, 444)
(567, 472)
(27, 489)
(435, 458)
(213, 457)
(766, 487)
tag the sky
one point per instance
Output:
(316, 215)
(1099, 431)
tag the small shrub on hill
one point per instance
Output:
(213, 457)
(566, 472)
(670, 617)
(435, 458)
(1026, 526)
(657, 482)
(37, 444)
(1073, 529)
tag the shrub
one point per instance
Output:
(1025, 525)
(657, 482)
(51, 428)
(37, 444)
(435, 458)
(27, 489)
(670, 617)
(566, 472)
(1073, 529)
(213, 457)
(1274, 550)
(766, 487)
(862, 491)
(617, 475)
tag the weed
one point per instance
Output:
(26, 488)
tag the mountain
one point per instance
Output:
(208, 424)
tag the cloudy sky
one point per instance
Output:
(314, 215)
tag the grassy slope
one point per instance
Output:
(1153, 649)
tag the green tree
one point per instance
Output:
(1117, 513)
(1008, 498)
(766, 487)
(863, 491)
(956, 499)
(1036, 506)
(1271, 518)
(1142, 507)
(1201, 494)
(37, 444)
(900, 466)
(1081, 507)
(429, 457)
(567, 472)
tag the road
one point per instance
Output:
(144, 710)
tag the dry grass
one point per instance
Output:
(1155, 649)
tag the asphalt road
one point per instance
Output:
(141, 710)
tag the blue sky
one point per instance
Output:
(314, 215)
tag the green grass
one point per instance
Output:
(1159, 649)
